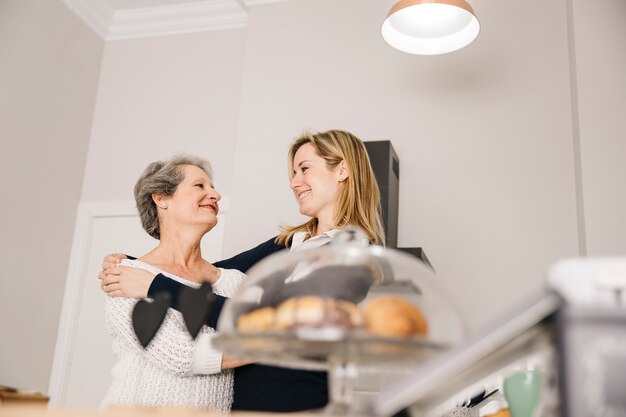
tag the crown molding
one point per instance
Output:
(163, 20)
(98, 15)
(175, 19)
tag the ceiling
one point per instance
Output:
(123, 19)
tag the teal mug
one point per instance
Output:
(522, 391)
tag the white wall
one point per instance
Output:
(600, 50)
(160, 96)
(49, 65)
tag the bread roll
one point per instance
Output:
(391, 316)
(306, 311)
(259, 320)
(316, 311)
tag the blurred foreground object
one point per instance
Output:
(14, 396)
(116, 411)
(340, 306)
(591, 334)
(574, 331)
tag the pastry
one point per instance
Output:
(258, 320)
(316, 311)
(391, 316)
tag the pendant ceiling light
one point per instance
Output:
(430, 27)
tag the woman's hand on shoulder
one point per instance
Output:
(112, 259)
(126, 281)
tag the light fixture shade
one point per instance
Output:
(430, 27)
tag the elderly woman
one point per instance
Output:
(178, 205)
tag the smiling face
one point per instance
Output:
(315, 184)
(195, 200)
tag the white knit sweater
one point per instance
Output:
(161, 375)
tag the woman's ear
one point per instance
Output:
(160, 200)
(342, 172)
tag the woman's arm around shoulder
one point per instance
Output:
(245, 260)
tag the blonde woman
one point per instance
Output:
(333, 183)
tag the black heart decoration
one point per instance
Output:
(148, 316)
(195, 306)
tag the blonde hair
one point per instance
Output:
(358, 201)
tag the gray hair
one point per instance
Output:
(162, 177)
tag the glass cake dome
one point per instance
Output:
(346, 301)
